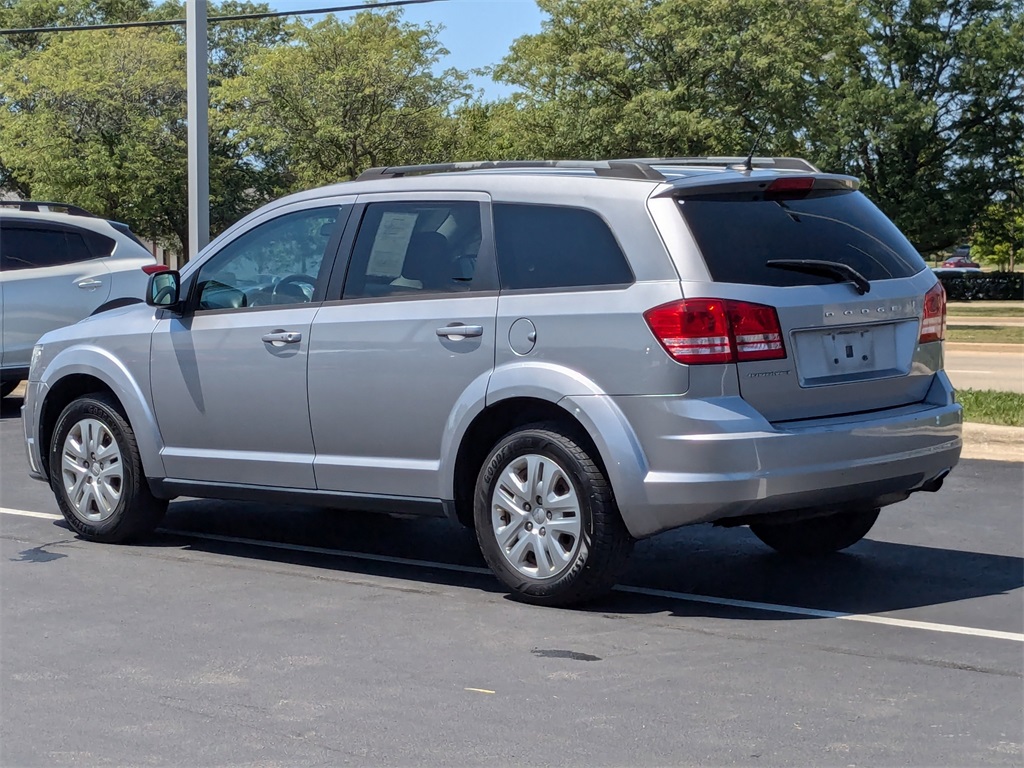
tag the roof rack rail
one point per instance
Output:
(617, 168)
(781, 163)
(624, 168)
(34, 206)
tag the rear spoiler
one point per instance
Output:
(699, 185)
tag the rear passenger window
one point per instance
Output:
(36, 247)
(415, 248)
(545, 246)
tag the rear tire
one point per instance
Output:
(818, 535)
(96, 473)
(546, 519)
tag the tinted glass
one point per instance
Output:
(276, 263)
(737, 236)
(124, 230)
(415, 248)
(36, 247)
(545, 246)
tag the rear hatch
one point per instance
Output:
(848, 288)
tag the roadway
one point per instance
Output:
(266, 635)
(977, 366)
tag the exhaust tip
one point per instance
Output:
(931, 486)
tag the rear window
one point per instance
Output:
(737, 236)
(548, 246)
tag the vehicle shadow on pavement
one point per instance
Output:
(870, 577)
(10, 407)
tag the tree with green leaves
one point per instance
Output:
(998, 234)
(927, 111)
(670, 77)
(97, 118)
(921, 99)
(346, 95)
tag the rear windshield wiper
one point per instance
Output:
(826, 268)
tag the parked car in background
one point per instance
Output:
(58, 264)
(960, 262)
(564, 356)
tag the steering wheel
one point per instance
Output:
(293, 288)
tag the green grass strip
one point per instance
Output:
(986, 334)
(990, 407)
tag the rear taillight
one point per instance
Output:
(933, 323)
(152, 269)
(703, 331)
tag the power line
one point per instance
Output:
(213, 19)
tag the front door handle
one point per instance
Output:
(282, 337)
(460, 331)
(88, 284)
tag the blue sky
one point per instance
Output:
(478, 33)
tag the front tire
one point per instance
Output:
(546, 519)
(96, 473)
(817, 535)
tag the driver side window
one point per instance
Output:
(277, 263)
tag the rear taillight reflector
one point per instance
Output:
(933, 322)
(705, 331)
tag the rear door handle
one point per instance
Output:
(87, 284)
(460, 331)
(282, 337)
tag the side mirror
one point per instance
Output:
(163, 290)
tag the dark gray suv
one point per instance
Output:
(566, 356)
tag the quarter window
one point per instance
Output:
(415, 248)
(546, 246)
(275, 263)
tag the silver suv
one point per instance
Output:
(566, 356)
(58, 264)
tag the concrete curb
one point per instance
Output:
(993, 442)
(985, 322)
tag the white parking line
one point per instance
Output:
(793, 610)
(26, 513)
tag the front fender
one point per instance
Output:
(90, 360)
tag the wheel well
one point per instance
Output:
(63, 392)
(497, 421)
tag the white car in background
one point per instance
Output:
(59, 264)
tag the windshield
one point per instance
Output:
(739, 234)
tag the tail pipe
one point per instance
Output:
(936, 482)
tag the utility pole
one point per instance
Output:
(196, 45)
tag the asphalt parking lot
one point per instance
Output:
(259, 635)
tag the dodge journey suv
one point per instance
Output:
(565, 356)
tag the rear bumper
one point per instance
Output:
(712, 460)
